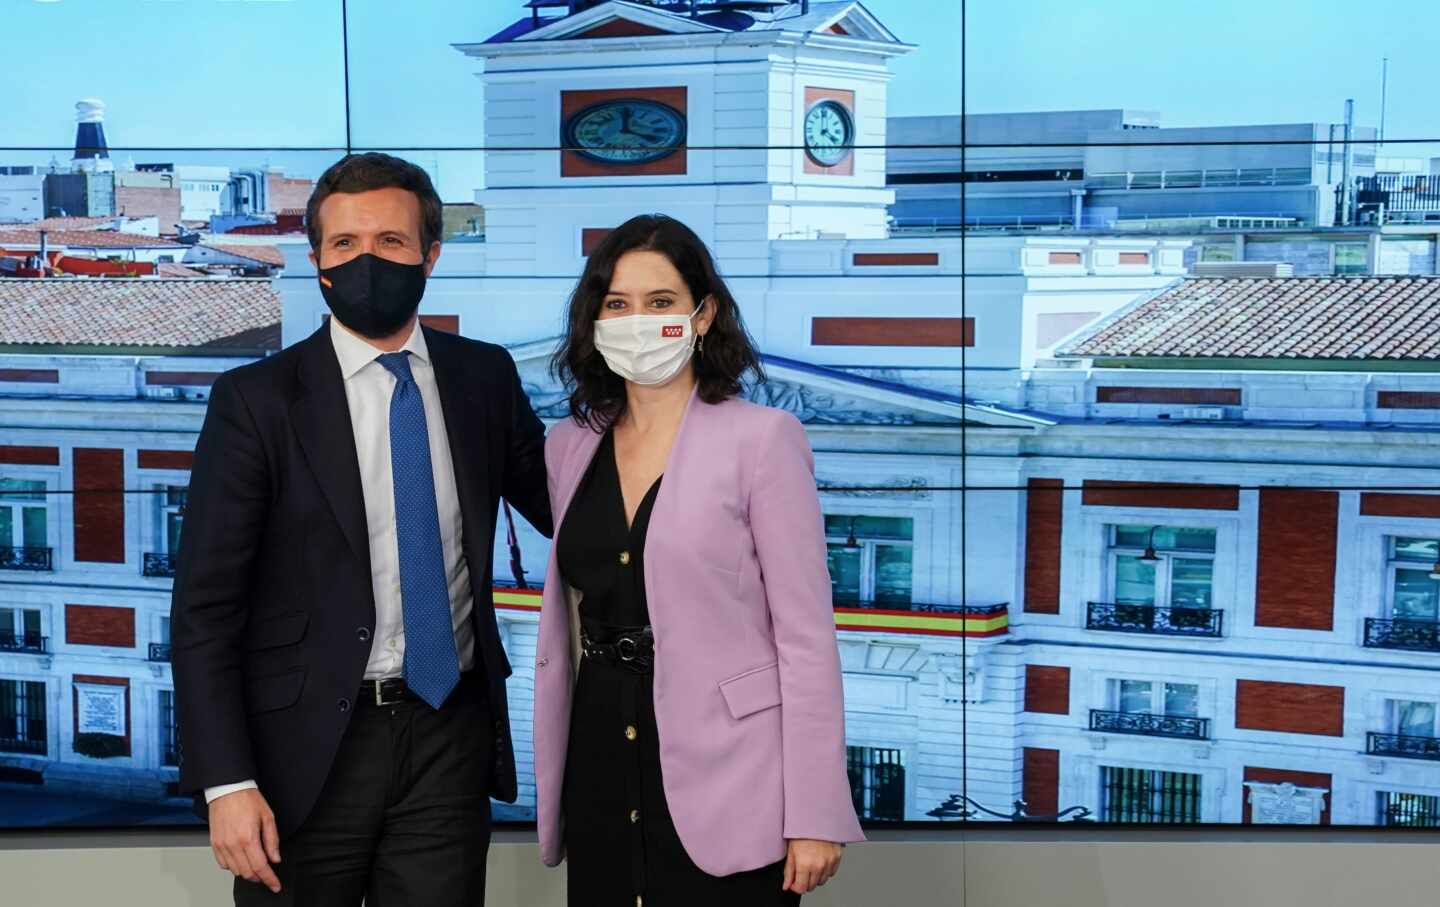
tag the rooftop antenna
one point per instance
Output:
(1384, 79)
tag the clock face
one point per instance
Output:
(829, 131)
(625, 131)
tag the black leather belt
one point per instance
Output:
(632, 648)
(386, 691)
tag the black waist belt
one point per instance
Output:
(632, 648)
(392, 690)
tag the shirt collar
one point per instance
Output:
(355, 353)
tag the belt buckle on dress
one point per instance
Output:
(621, 651)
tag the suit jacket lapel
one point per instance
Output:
(463, 429)
(321, 417)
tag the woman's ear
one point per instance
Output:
(706, 317)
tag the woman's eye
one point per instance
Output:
(614, 303)
(662, 303)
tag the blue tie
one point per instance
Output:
(431, 667)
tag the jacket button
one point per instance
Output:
(630, 732)
(541, 662)
(342, 705)
(624, 558)
(362, 634)
(634, 816)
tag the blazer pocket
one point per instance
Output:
(269, 692)
(753, 691)
(285, 630)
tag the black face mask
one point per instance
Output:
(373, 296)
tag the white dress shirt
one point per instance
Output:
(368, 388)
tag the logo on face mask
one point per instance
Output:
(673, 330)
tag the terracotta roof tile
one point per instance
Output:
(140, 312)
(23, 234)
(1277, 318)
(264, 254)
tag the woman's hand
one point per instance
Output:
(810, 864)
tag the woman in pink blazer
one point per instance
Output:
(689, 722)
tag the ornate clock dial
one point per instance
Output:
(829, 131)
(625, 131)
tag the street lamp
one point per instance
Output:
(959, 806)
(1150, 557)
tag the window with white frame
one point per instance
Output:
(1162, 566)
(20, 630)
(24, 517)
(1397, 808)
(1411, 718)
(871, 559)
(1413, 566)
(172, 516)
(1153, 697)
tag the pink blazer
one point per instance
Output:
(748, 697)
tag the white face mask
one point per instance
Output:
(647, 349)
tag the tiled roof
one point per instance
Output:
(138, 312)
(1394, 318)
(24, 234)
(264, 254)
(821, 11)
(67, 223)
(168, 269)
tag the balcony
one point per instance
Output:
(1147, 725)
(160, 651)
(27, 747)
(1154, 620)
(24, 642)
(1410, 635)
(157, 564)
(37, 559)
(1402, 746)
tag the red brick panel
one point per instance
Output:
(846, 98)
(1292, 708)
(1047, 689)
(100, 625)
(1408, 400)
(1044, 507)
(572, 102)
(184, 379)
(1374, 503)
(30, 456)
(1176, 495)
(863, 259)
(1221, 396)
(1295, 575)
(1064, 258)
(30, 375)
(590, 239)
(946, 332)
(112, 681)
(1040, 780)
(621, 28)
(1280, 776)
(166, 459)
(1134, 258)
(450, 324)
(99, 505)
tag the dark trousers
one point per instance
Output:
(404, 817)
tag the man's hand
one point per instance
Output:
(243, 836)
(810, 864)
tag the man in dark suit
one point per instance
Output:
(339, 676)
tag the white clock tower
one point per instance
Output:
(750, 120)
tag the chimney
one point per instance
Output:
(91, 152)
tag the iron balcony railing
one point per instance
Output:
(157, 564)
(1153, 619)
(26, 559)
(1150, 725)
(1402, 745)
(159, 651)
(1396, 633)
(14, 745)
(24, 642)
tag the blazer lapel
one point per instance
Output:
(321, 417)
(468, 456)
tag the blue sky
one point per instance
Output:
(269, 73)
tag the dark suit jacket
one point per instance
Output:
(273, 611)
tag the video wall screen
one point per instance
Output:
(1124, 387)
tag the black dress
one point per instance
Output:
(622, 849)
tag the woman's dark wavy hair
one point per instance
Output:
(597, 395)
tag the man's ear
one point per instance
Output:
(432, 257)
(314, 259)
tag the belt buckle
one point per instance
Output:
(620, 650)
(380, 699)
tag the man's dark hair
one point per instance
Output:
(374, 170)
(597, 395)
